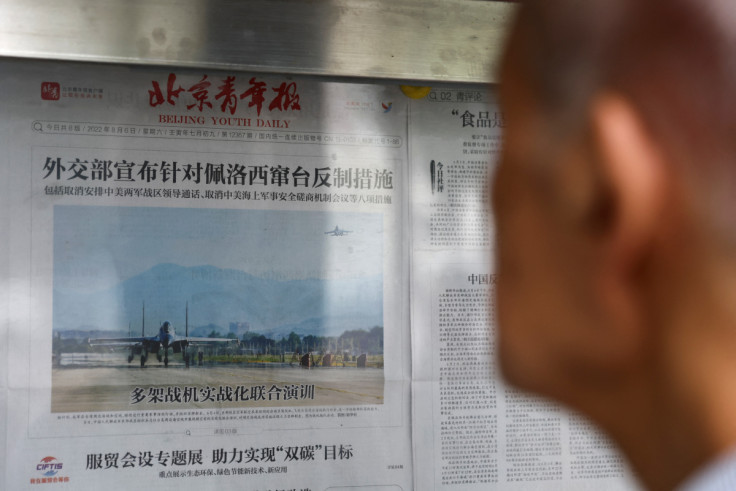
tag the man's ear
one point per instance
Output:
(631, 167)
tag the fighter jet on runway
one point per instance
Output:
(338, 232)
(160, 343)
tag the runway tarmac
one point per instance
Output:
(108, 385)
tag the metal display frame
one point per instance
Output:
(407, 40)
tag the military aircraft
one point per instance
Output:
(338, 232)
(160, 343)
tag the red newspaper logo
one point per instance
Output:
(50, 91)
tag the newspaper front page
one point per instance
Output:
(205, 284)
(204, 281)
(472, 432)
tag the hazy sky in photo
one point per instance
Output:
(96, 247)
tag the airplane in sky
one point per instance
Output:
(338, 232)
(161, 343)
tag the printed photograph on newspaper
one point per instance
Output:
(179, 308)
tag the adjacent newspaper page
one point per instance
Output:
(470, 430)
(204, 281)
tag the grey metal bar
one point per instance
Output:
(427, 40)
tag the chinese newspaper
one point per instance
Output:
(205, 281)
(259, 282)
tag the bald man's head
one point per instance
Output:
(616, 236)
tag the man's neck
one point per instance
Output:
(682, 395)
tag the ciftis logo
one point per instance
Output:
(49, 469)
(49, 466)
(50, 91)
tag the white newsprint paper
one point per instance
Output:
(214, 280)
(470, 431)
(204, 282)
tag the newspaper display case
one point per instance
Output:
(247, 246)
